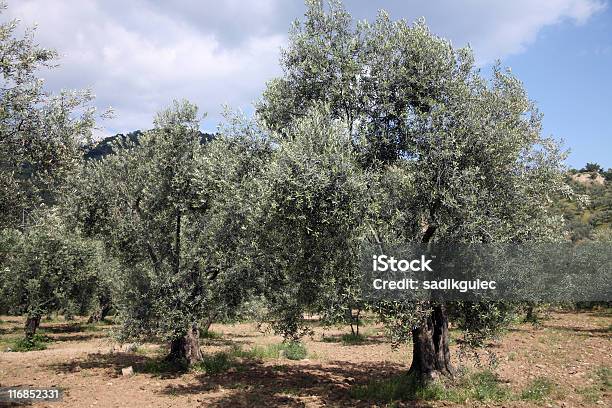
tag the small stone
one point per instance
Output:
(127, 372)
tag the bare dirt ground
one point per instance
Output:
(567, 348)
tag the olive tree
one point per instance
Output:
(41, 139)
(48, 268)
(457, 157)
(173, 210)
(41, 134)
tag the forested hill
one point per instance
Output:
(104, 147)
(594, 220)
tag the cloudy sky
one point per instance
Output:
(138, 55)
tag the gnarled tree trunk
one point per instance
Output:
(430, 352)
(209, 321)
(31, 325)
(186, 349)
(100, 313)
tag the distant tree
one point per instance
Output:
(48, 268)
(102, 302)
(592, 168)
(459, 158)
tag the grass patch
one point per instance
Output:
(293, 350)
(210, 335)
(602, 377)
(538, 389)
(482, 386)
(94, 327)
(294, 392)
(145, 351)
(590, 394)
(211, 364)
(351, 339)
(215, 363)
(37, 342)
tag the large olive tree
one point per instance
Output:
(457, 157)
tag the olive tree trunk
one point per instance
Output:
(31, 325)
(100, 313)
(430, 352)
(186, 349)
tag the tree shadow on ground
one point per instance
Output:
(255, 384)
(112, 362)
(11, 330)
(364, 341)
(76, 337)
(63, 328)
(220, 342)
(584, 331)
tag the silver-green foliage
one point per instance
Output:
(175, 212)
(314, 198)
(45, 266)
(40, 133)
(49, 269)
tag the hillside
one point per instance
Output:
(106, 146)
(595, 218)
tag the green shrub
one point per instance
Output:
(294, 350)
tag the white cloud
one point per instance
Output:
(494, 28)
(139, 55)
(138, 61)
